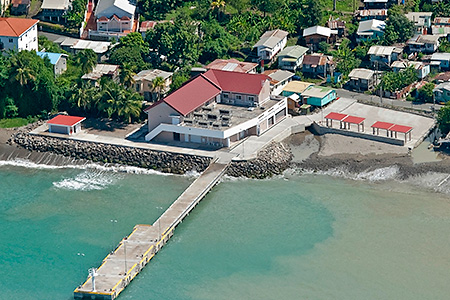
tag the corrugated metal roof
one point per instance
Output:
(380, 50)
(293, 51)
(320, 30)
(271, 38)
(55, 4)
(360, 73)
(370, 26)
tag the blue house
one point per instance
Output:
(58, 60)
(318, 95)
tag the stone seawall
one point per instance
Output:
(162, 161)
(272, 160)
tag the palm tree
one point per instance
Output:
(112, 97)
(86, 59)
(84, 96)
(126, 75)
(218, 5)
(157, 85)
(20, 72)
(131, 106)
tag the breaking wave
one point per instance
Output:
(87, 181)
(24, 163)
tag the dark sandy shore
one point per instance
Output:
(357, 155)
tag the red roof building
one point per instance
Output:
(232, 65)
(65, 124)
(15, 27)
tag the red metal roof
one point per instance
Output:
(354, 120)
(401, 128)
(65, 120)
(15, 26)
(382, 125)
(335, 116)
(237, 82)
(192, 95)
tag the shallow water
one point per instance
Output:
(297, 236)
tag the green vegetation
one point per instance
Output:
(425, 93)
(75, 15)
(15, 122)
(398, 28)
(443, 118)
(395, 81)
(345, 58)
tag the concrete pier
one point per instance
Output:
(135, 251)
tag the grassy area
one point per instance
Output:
(14, 122)
(342, 5)
(34, 8)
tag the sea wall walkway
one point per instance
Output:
(135, 251)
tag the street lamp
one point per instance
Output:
(125, 253)
(113, 221)
(81, 255)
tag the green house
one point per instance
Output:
(318, 95)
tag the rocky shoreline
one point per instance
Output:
(274, 159)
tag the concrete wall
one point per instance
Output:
(160, 114)
(378, 138)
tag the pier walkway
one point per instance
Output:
(136, 250)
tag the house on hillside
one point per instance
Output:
(278, 80)
(54, 10)
(370, 14)
(102, 70)
(318, 65)
(58, 60)
(421, 20)
(384, 54)
(18, 34)
(370, 30)
(422, 69)
(216, 108)
(233, 65)
(315, 35)
(362, 79)
(442, 92)
(336, 25)
(291, 58)
(114, 18)
(76, 45)
(425, 43)
(270, 43)
(143, 83)
(318, 95)
(441, 61)
(20, 7)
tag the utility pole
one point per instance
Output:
(334, 5)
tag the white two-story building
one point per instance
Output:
(216, 108)
(270, 43)
(18, 34)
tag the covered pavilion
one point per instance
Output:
(381, 125)
(402, 129)
(353, 120)
(335, 116)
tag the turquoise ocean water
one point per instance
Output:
(297, 236)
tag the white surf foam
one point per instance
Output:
(87, 181)
(24, 163)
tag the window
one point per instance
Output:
(251, 98)
(225, 95)
(10, 40)
(238, 97)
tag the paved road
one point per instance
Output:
(376, 99)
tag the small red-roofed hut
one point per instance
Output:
(65, 124)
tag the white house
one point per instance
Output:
(55, 10)
(422, 69)
(270, 43)
(18, 34)
(216, 108)
(423, 43)
(114, 16)
(385, 54)
(278, 80)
